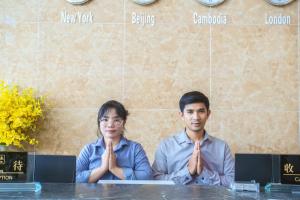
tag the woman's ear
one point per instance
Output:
(99, 134)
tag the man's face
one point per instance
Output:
(194, 116)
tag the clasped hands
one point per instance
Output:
(195, 165)
(109, 161)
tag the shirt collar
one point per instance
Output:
(123, 142)
(182, 137)
(100, 142)
(206, 137)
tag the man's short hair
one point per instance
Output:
(193, 97)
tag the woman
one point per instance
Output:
(112, 156)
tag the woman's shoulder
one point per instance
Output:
(133, 143)
(92, 145)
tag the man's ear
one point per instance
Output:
(208, 113)
(180, 114)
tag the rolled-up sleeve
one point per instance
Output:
(142, 169)
(160, 169)
(82, 166)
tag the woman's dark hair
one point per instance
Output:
(193, 97)
(112, 104)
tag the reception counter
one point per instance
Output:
(139, 191)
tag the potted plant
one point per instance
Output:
(20, 112)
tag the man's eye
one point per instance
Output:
(104, 120)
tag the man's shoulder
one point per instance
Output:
(174, 138)
(217, 140)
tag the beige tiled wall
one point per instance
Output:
(247, 68)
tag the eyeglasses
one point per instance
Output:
(115, 122)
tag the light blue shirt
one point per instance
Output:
(173, 154)
(130, 156)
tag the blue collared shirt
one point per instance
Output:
(130, 156)
(173, 154)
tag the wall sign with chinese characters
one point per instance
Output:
(290, 169)
(13, 166)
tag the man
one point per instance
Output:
(193, 156)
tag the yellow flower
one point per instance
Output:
(20, 112)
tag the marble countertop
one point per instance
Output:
(139, 191)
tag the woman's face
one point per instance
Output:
(111, 125)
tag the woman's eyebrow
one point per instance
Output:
(114, 117)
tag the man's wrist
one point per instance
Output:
(114, 169)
